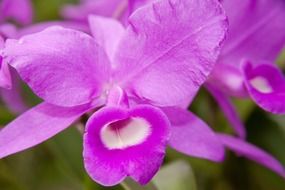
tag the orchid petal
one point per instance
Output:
(5, 76)
(242, 148)
(191, 136)
(229, 110)
(37, 125)
(1, 42)
(20, 10)
(169, 49)
(63, 66)
(12, 97)
(8, 30)
(107, 33)
(228, 78)
(109, 166)
(250, 24)
(266, 86)
(38, 27)
(135, 4)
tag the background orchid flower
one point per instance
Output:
(248, 43)
(75, 73)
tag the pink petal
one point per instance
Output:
(12, 97)
(8, 30)
(19, 10)
(135, 4)
(107, 33)
(191, 136)
(63, 66)
(229, 110)
(37, 125)
(140, 161)
(169, 49)
(1, 42)
(228, 78)
(266, 86)
(5, 76)
(251, 24)
(38, 27)
(242, 148)
(81, 12)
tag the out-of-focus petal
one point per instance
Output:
(135, 4)
(37, 125)
(191, 136)
(169, 49)
(107, 33)
(108, 8)
(5, 76)
(12, 97)
(228, 109)
(228, 78)
(64, 67)
(242, 148)
(8, 30)
(250, 25)
(266, 86)
(10, 93)
(109, 165)
(19, 10)
(1, 42)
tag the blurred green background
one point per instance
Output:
(57, 164)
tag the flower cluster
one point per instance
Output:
(133, 67)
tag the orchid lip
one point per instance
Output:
(125, 133)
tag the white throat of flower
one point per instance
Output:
(130, 132)
(261, 84)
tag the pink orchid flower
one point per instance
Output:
(133, 81)
(246, 67)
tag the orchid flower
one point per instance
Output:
(245, 66)
(125, 71)
(135, 79)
